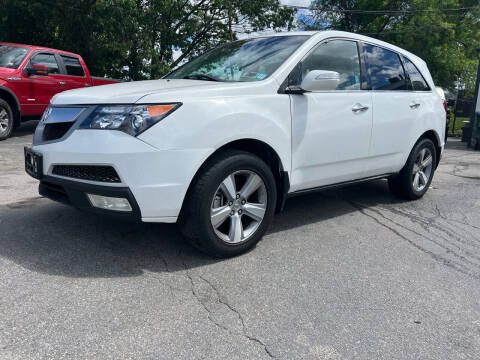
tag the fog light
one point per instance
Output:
(109, 203)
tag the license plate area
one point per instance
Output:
(33, 163)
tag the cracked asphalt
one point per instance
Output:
(351, 273)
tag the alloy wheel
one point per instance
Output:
(422, 169)
(238, 206)
(4, 120)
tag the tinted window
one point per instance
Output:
(46, 59)
(73, 66)
(12, 56)
(336, 55)
(243, 60)
(384, 68)
(417, 81)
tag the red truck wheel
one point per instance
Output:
(6, 120)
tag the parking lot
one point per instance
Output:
(350, 273)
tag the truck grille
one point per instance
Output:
(98, 173)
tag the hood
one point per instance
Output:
(6, 73)
(125, 93)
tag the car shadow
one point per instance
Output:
(26, 128)
(51, 238)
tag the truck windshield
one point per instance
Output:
(12, 56)
(242, 60)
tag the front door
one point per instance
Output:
(331, 130)
(38, 90)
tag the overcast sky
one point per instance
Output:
(176, 53)
(296, 2)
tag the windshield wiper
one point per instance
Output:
(201, 77)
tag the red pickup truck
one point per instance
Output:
(31, 75)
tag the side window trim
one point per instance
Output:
(365, 82)
(407, 75)
(405, 72)
(61, 65)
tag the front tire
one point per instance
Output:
(230, 204)
(6, 120)
(414, 179)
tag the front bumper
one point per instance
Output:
(75, 193)
(155, 181)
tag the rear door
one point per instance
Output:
(331, 129)
(393, 114)
(74, 76)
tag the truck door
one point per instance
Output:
(38, 90)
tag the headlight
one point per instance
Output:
(131, 119)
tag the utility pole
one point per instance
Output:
(230, 15)
(475, 114)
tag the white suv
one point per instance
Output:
(219, 144)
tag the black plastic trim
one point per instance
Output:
(340, 184)
(38, 135)
(365, 82)
(283, 194)
(74, 193)
(99, 173)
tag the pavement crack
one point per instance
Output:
(428, 224)
(230, 307)
(449, 263)
(464, 166)
(240, 317)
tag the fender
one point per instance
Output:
(17, 113)
(431, 134)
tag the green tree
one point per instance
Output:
(445, 39)
(136, 39)
(192, 27)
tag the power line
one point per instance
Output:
(407, 30)
(382, 12)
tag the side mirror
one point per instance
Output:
(320, 80)
(41, 70)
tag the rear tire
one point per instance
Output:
(230, 205)
(414, 179)
(6, 120)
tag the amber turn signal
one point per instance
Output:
(157, 110)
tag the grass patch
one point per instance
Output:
(458, 125)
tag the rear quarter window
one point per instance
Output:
(417, 81)
(73, 66)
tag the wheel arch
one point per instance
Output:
(265, 152)
(10, 97)
(433, 135)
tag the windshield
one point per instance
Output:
(243, 60)
(12, 56)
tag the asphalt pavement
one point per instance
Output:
(351, 273)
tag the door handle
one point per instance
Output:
(414, 105)
(62, 83)
(359, 107)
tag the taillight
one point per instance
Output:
(444, 105)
